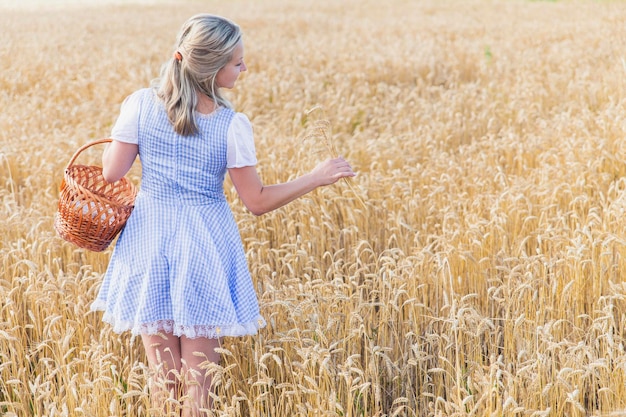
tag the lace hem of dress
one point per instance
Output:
(169, 326)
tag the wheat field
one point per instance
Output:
(474, 267)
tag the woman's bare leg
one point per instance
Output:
(164, 359)
(197, 354)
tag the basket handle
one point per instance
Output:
(85, 146)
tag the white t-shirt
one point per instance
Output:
(240, 143)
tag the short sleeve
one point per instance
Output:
(126, 126)
(240, 149)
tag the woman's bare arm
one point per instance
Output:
(261, 199)
(117, 159)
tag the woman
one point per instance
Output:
(178, 275)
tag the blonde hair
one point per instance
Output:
(204, 45)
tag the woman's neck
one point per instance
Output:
(205, 104)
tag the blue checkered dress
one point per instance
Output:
(179, 265)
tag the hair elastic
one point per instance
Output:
(178, 56)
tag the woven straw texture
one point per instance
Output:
(91, 211)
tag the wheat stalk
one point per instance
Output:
(321, 128)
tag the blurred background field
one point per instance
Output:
(473, 268)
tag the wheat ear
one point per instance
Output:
(321, 128)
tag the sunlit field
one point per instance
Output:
(474, 267)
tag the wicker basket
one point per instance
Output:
(92, 211)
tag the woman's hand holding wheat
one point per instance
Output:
(332, 170)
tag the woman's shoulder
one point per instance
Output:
(228, 115)
(240, 126)
(135, 98)
(146, 93)
(240, 119)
